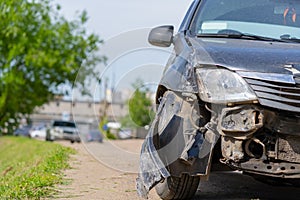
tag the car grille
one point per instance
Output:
(277, 95)
(69, 132)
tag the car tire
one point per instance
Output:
(72, 141)
(184, 187)
(49, 139)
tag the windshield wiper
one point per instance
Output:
(242, 36)
(287, 37)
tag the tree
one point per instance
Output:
(140, 107)
(40, 51)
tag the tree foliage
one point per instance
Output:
(39, 51)
(140, 107)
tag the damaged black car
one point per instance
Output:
(229, 96)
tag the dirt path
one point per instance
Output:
(107, 171)
(91, 178)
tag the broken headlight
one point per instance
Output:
(222, 86)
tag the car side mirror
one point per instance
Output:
(161, 36)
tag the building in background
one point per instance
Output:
(84, 113)
(87, 114)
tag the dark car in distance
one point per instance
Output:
(94, 135)
(23, 131)
(229, 96)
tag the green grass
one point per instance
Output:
(29, 169)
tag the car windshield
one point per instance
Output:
(64, 124)
(278, 19)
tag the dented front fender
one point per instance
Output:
(176, 143)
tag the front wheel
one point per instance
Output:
(184, 187)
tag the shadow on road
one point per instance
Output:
(238, 186)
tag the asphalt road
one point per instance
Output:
(231, 185)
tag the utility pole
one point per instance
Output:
(103, 112)
(105, 99)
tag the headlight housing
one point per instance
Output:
(221, 86)
(58, 130)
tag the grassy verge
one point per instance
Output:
(29, 168)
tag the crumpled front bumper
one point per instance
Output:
(152, 169)
(175, 144)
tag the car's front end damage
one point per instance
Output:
(229, 94)
(252, 113)
(259, 123)
(264, 138)
(175, 143)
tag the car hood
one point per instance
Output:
(247, 55)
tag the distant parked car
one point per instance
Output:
(38, 131)
(23, 131)
(63, 130)
(94, 135)
(125, 133)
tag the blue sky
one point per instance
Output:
(124, 26)
(111, 17)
